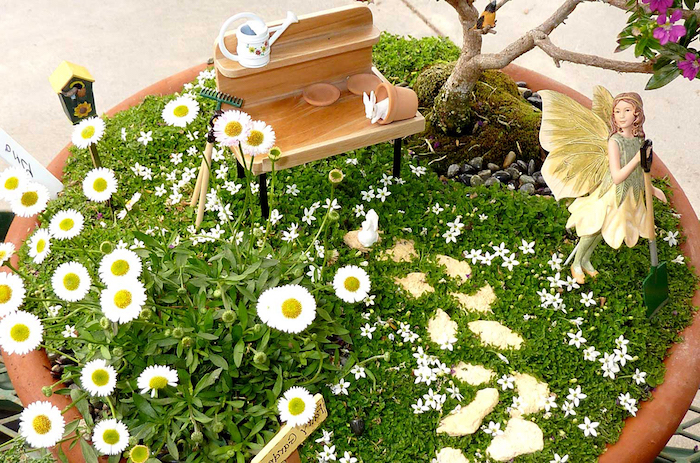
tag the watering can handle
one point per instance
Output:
(224, 28)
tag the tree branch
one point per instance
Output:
(622, 4)
(559, 54)
(463, 7)
(501, 3)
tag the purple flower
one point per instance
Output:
(667, 31)
(659, 5)
(691, 66)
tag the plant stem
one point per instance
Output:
(73, 403)
(111, 407)
(60, 352)
(11, 267)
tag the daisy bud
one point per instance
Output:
(333, 216)
(229, 316)
(139, 453)
(216, 293)
(257, 329)
(187, 341)
(260, 358)
(104, 323)
(197, 437)
(275, 154)
(335, 176)
(387, 356)
(178, 332)
(181, 290)
(299, 271)
(146, 313)
(217, 427)
(167, 333)
(106, 247)
(47, 391)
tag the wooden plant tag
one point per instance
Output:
(289, 438)
(15, 155)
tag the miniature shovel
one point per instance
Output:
(656, 283)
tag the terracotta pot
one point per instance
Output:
(643, 437)
(403, 102)
(362, 83)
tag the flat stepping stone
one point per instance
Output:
(456, 269)
(415, 283)
(519, 438)
(451, 455)
(533, 394)
(494, 334)
(350, 239)
(403, 251)
(474, 375)
(441, 327)
(478, 302)
(463, 421)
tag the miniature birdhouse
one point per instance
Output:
(73, 83)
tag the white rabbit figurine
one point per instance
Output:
(368, 235)
(373, 110)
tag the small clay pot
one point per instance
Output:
(363, 83)
(403, 102)
(321, 94)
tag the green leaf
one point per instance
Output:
(201, 417)
(172, 448)
(104, 350)
(79, 398)
(207, 336)
(690, 4)
(219, 361)
(256, 428)
(144, 406)
(238, 353)
(207, 380)
(663, 76)
(88, 451)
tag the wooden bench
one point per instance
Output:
(329, 47)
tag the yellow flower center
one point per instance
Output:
(99, 185)
(19, 332)
(40, 245)
(100, 377)
(41, 424)
(5, 293)
(139, 454)
(122, 299)
(256, 138)
(29, 198)
(3, 255)
(120, 267)
(181, 111)
(158, 382)
(88, 132)
(291, 308)
(352, 284)
(233, 129)
(71, 281)
(111, 437)
(296, 406)
(11, 183)
(66, 224)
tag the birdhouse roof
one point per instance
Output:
(65, 72)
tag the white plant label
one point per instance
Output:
(14, 154)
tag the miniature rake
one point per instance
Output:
(202, 185)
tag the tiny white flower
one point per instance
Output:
(588, 427)
(347, 458)
(672, 238)
(352, 161)
(679, 259)
(590, 354)
(367, 330)
(436, 209)
(358, 371)
(575, 395)
(555, 262)
(506, 382)
(558, 459)
(326, 438)
(550, 402)
(333, 205)
(576, 339)
(639, 376)
(568, 409)
(123, 133)
(342, 387)
(418, 170)
(483, 217)
(587, 299)
(527, 248)
(509, 262)
(368, 195)
(493, 429)
(145, 137)
(275, 216)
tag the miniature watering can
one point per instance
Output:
(254, 39)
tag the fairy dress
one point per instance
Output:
(616, 211)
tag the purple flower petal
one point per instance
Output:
(676, 15)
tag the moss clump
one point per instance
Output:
(430, 81)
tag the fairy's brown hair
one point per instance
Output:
(636, 101)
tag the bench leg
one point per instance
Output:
(240, 171)
(264, 206)
(397, 158)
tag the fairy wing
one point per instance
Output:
(603, 104)
(577, 141)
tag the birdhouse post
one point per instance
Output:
(73, 84)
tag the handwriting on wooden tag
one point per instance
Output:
(289, 438)
(14, 154)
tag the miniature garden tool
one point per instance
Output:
(656, 283)
(202, 185)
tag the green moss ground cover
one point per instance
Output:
(224, 405)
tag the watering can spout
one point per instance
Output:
(291, 18)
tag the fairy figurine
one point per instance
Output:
(594, 156)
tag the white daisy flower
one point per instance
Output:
(259, 140)
(155, 378)
(98, 378)
(180, 111)
(231, 127)
(88, 132)
(351, 284)
(41, 424)
(122, 301)
(12, 293)
(66, 224)
(120, 264)
(99, 184)
(289, 308)
(12, 180)
(297, 406)
(40, 245)
(30, 200)
(110, 437)
(6, 251)
(71, 281)
(20, 332)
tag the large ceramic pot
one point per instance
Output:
(643, 437)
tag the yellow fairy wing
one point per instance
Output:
(602, 104)
(577, 141)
